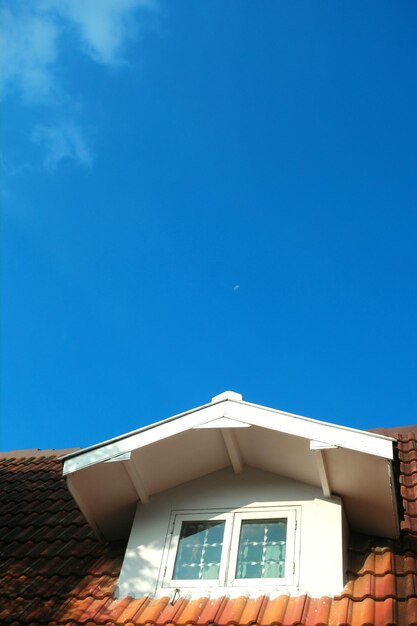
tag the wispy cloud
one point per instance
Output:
(31, 41)
(28, 48)
(62, 141)
(104, 27)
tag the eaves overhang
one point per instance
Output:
(108, 479)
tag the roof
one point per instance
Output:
(54, 571)
(109, 478)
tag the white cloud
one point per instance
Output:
(104, 26)
(30, 46)
(62, 141)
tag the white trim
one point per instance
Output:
(125, 456)
(288, 578)
(233, 450)
(323, 472)
(137, 431)
(233, 519)
(394, 497)
(174, 536)
(137, 481)
(228, 395)
(251, 414)
(144, 437)
(319, 445)
(305, 427)
(222, 422)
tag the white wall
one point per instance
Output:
(320, 529)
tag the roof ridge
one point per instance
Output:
(37, 452)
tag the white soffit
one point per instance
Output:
(229, 432)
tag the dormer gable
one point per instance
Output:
(155, 486)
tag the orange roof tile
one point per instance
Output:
(53, 571)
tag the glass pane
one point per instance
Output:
(199, 551)
(261, 551)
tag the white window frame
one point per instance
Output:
(174, 537)
(233, 520)
(290, 516)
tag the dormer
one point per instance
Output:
(233, 497)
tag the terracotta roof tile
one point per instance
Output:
(252, 610)
(171, 612)
(191, 611)
(210, 611)
(317, 611)
(340, 613)
(274, 611)
(54, 572)
(131, 609)
(232, 611)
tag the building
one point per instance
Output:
(231, 513)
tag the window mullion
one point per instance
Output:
(233, 549)
(224, 575)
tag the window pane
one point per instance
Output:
(199, 551)
(261, 551)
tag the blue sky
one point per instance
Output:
(200, 196)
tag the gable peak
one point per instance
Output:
(228, 395)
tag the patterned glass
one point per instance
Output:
(199, 551)
(262, 546)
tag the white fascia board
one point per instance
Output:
(239, 411)
(95, 446)
(144, 437)
(394, 498)
(333, 434)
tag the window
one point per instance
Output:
(229, 549)
(199, 551)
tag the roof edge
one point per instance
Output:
(78, 451)
(254, 414)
